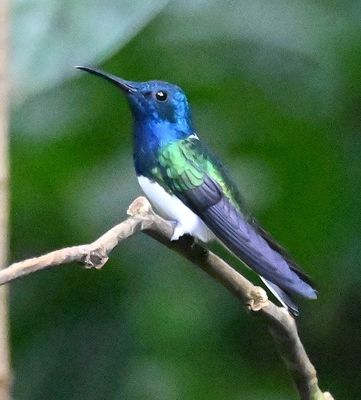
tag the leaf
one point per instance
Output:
(50, 37)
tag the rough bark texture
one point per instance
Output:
(281, 325)
(4, 199)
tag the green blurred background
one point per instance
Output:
(275, 88)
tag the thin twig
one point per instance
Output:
(5, 373)
(142, 218)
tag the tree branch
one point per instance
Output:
(142, 218)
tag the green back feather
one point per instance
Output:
(184, 164)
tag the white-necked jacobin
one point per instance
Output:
(188, 185)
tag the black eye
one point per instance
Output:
(161, 96)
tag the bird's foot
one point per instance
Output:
(178, 231)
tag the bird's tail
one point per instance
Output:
(284, 298)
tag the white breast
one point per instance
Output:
(171, 208)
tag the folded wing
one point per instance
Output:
(202, 184)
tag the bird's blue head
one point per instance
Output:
(158, 107)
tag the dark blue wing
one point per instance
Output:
(248, 242)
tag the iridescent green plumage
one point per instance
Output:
(185, 164)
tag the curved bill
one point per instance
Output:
(122, 83)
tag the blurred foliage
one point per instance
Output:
(275, 88)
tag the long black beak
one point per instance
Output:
(119, 82)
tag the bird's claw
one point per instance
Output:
(178, 232)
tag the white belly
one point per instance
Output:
(171, 208)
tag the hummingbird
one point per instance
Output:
(189, 186)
